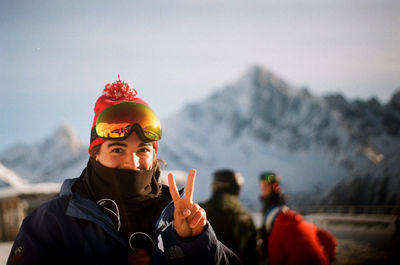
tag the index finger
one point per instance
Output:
(190, 185)
(173, 190)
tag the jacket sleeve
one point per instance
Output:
(328, 241)
(34, 244)
(245, 234)
(202, 249)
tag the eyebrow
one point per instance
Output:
(125, 145)
(144, 144)
(116, 144)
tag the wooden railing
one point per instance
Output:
(348, 209)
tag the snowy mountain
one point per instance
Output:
(262, 123)
(327, 149)
(378, 126)
(61, 155)
(12, 185)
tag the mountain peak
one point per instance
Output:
(66, 137)
(59, 155)
(257, 70)
(259, 78)
(65, 130)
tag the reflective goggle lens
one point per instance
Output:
(118, 122)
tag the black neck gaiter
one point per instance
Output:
(136, 194)
(121, 185)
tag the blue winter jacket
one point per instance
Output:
(73, 230)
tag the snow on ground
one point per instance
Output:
(353, 252)
(5, 248)
(362, 239)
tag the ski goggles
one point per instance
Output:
(118, 121)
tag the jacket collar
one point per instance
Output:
(271, 216)
(66, 187)
(86, 209)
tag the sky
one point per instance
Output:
(56, 55)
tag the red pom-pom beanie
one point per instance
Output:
(114, 93)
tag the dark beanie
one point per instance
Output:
(228, 181)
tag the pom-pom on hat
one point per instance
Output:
(114, 93)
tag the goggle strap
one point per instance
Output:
(93, 134)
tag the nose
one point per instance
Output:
(132, 162)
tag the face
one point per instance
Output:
(265, 189)
(131, 153)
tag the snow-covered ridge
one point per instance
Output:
(10, 178)
(15, 185)
(259, 122)
(60, 155)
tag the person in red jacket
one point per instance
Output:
(289, 238)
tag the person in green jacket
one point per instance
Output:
(232, 223)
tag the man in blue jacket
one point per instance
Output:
(117, 212)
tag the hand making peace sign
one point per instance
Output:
(189, 218)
